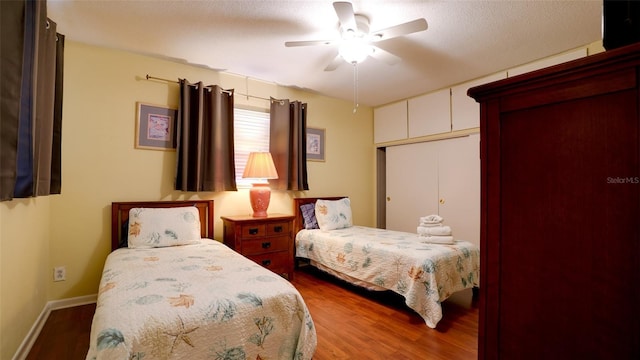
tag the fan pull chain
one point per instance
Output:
(355, 87)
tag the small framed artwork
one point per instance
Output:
(155, 127)
(315, 144)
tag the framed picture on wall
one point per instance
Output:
(155, 127)
(315, 144)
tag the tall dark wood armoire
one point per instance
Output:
(560, 205)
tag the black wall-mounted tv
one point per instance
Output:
(621, 23)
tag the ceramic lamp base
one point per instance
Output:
(260, 195)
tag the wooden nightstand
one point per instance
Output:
(267, 241)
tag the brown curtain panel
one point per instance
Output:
(11, 49)
(31, 107)
(44, 116)
(288, 144)
(205, 149)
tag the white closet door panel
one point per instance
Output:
(412, 184)
(459, 183)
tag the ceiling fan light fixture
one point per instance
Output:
(355, 51)
(350, 34)
(356, 42)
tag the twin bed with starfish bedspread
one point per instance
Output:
(425, 274)
(173, 293)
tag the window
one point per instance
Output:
(251, 133)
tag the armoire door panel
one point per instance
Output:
(571, 210)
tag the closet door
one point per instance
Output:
(412, 184)
(459, 186)
(437, 177)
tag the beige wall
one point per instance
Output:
(24, 268)
(101, 165)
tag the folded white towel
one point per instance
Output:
(430, 225)
(440, 230)
(438, 239)
(431, 219)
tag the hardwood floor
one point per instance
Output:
(351, 323)
(354, 323)
(65, 335)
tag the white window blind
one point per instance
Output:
(251, 133)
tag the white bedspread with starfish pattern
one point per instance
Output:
(201, 301)
(424, 274)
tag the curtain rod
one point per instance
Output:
(149, 77)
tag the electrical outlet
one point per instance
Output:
(59, 273)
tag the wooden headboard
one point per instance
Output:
(298, 221)
(120, 215)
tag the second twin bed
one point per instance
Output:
(425, 274)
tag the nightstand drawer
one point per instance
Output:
(278, 228)
(253, 231)
(277, 262)
(265, 245)
(267, 241)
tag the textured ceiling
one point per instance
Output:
(465, 39)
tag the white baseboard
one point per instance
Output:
(32, 335)
(71, 302)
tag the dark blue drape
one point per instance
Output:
(24, 156)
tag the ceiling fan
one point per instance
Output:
(356, 41)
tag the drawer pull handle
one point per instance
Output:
(277, 228)
(253, 231)
(266, 262)
(266, 245)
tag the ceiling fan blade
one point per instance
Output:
(345, 13)
(401, 29)
(337, 61)
(385, 56)
(308, 43)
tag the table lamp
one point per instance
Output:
(260, 166)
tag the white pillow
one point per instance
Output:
(334, 214)
(160, 227)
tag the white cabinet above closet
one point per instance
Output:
(465, 111)
(447, 110)
(390, 122)
(550, 61)
(430, 114)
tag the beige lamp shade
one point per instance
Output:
(260, 166)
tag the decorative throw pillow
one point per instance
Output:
(160, 227)
(333, 214)
(124, 235)
(309, 215)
